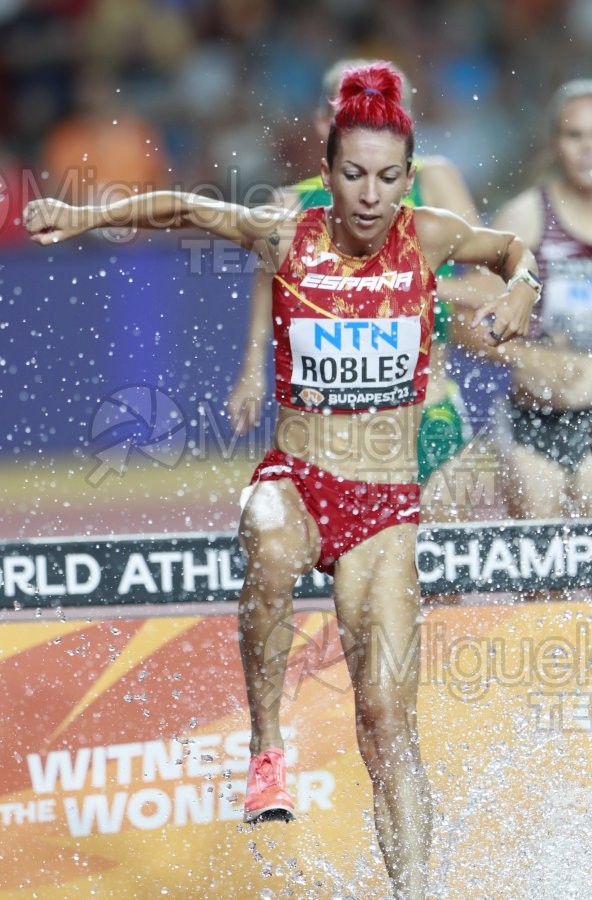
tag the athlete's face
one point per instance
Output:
(368, 179)
(573, 142)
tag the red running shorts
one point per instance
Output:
(346, 512)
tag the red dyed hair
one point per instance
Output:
(370, 97)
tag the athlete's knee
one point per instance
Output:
(275, 561)
(386, 734)
(275, 535)
(385, 709)
(284, 549)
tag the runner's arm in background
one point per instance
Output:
(246, 398)
(554, 374)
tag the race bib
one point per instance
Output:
(354, 364)
(567, 309)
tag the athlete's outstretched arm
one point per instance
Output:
(50, 221)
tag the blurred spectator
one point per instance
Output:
(39, 47)
(239, 20)
(103, 149)
(137, 38)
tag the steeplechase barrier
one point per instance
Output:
(483, 557)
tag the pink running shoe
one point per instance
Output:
(267, 797)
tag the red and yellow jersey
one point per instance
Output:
(352, 333)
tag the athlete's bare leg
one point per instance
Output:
(377, 602)
(281, 541)
(537, 487)
(581, 489)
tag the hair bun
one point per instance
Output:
(370, 96)
(372, 79)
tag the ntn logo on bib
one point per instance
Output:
(338, 362)
(352, 333)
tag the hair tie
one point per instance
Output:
(371, 91)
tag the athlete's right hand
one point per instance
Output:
(50, 221)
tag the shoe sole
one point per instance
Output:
(270, 814)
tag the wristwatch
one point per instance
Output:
(530, 278)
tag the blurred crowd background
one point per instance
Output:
(198, 92)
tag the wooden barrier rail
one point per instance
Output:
(200, 567)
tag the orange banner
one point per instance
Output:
(124, 754)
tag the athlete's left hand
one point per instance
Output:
(507, 317)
